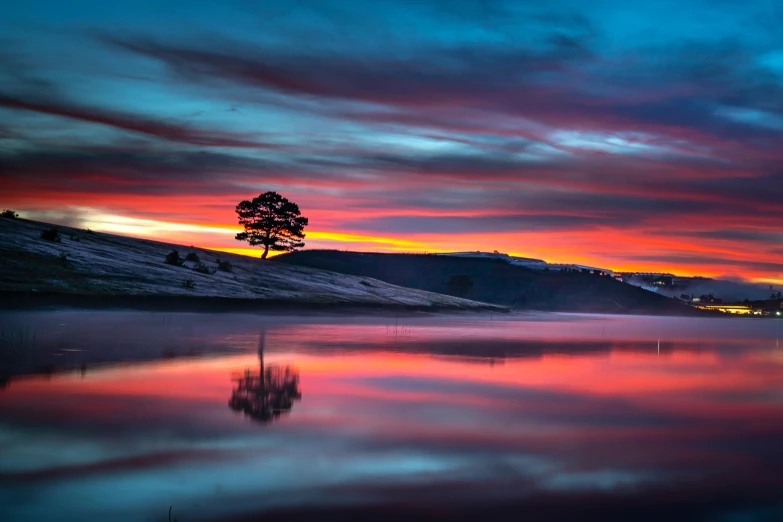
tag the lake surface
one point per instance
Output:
(121, 415)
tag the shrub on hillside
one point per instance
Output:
(10, 214)
(189, 284)
(192, 256)
(51, 234)
(172, 258)
(224, 266)
(202, 268)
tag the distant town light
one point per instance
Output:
(778, 312)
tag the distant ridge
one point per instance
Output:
(491, 278)
(529, 262)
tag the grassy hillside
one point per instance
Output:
(493, 282)
(82, 265)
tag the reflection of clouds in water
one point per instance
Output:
(567, 427)
(84, 340)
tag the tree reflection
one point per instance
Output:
(266, 394)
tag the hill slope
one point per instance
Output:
(84, 264)
(494, 282)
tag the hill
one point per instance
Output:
(494, 281)
(91, 268)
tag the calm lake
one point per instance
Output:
(120, 416)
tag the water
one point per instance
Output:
(121, 416)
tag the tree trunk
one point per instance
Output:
(266, 251)
(261, 343)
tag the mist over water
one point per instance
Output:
(727, 290)
(117, 416)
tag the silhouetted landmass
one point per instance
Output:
(494, 281)
(95, 269)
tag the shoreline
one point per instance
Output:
(207, 304)
(26, 301)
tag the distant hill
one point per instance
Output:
(494, 281)
(92, 268)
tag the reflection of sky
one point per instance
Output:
(376, 424)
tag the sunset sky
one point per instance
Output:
(626, 135)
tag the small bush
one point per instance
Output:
(189, 283)
(201, 268)
(51, 235)
(224, 266)
(192, 256)
(365, 283)
(89, 231)
(172, 258)
(10, 214)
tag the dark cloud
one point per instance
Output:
(128, 167)
(476, 224)
(7, 132)
(132, 122)
(118, 465)
(544, 196)
(701, 260)
(131, 172)
(443, 78)
(763, 236)
(546, 84)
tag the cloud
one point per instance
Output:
(127, 172)
(673, 92)
(446, 77)
(131, 122)
(700, 260)
(446, 224)
(117, 465)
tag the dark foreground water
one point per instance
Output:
(120, 416)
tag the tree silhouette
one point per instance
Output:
(264, 396)
(272, 221)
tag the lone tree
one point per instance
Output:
(273, 221)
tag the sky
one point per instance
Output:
(627, 135)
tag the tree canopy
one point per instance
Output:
(272, 221)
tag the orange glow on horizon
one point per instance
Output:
(590, 247)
